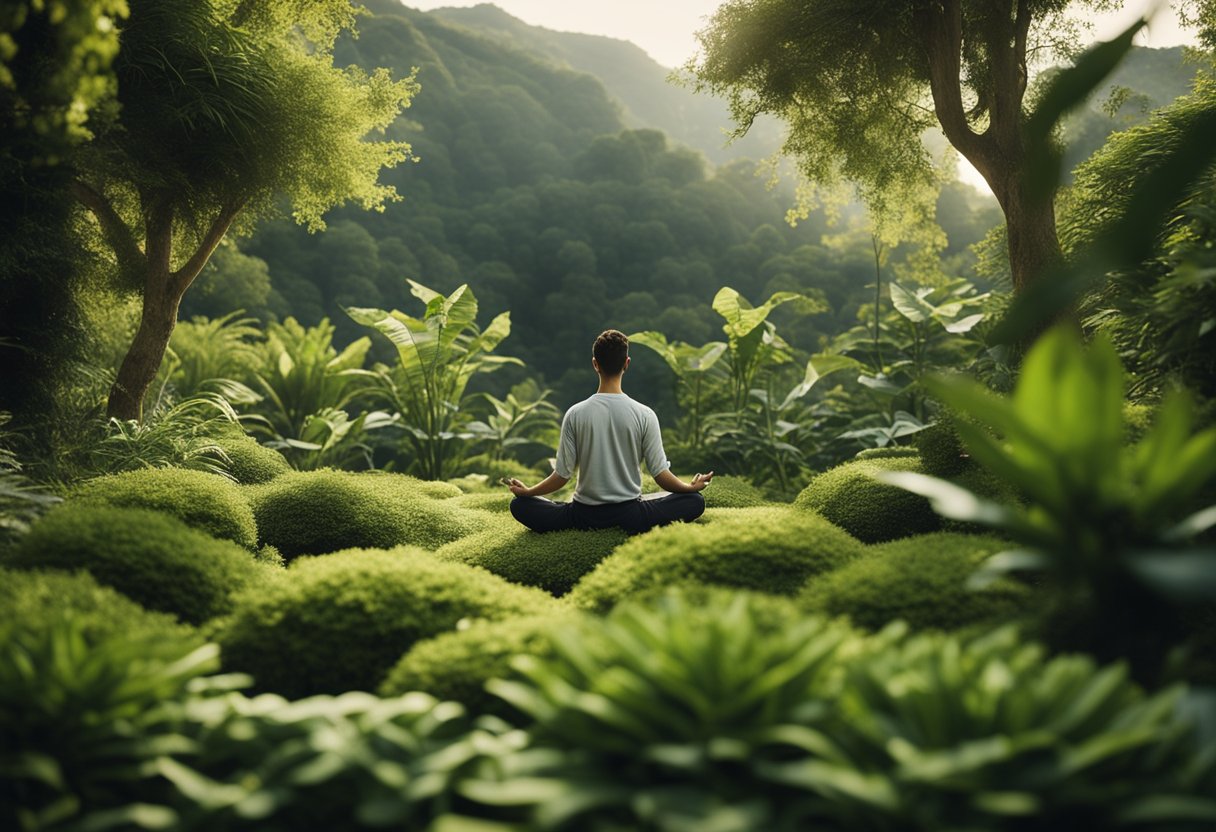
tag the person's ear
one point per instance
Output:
(626, 367)
(595, 364)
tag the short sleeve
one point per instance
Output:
(652, 445)
(567, 450)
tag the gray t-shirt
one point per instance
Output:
(606, 437)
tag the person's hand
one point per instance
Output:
(701, 480)
(517, 487)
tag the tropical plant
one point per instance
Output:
(21, 500)
(173, 434)
(438, 355)
(691, 366)
(84, 722)
(523, 418)
(307, 387)
(1112, 526)
(204, 350)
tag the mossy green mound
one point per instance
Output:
(498, 501)
(34, 600)
(770, 549)
(315, 512)
(732, 492)
(456, 665)
(207, 502)
(150, 557)
(338, 622)
(850, 496)
(941, 450)
(492, 469)
(921, 580)
(889, 452)
(250, 462)
(554, 561)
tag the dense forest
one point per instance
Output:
(297, 302)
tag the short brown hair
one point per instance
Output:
(610, 351)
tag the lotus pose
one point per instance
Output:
(605, 438)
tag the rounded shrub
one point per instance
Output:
(872, 511)
(207, 502)
(35, 600)
(315, 512)
(250, 462)
(498, 501)
(338, 622)
(492, 469)
(921, 580)
(889, 452)
(455, 666)
(770, 549)
(150, 557)
(732, 492)
(554, 561)
(941, 450)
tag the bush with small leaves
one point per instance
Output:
(207, 502)
(872, 511)
(456, 665)
(732, 492)
(889, 452)
(150, 557)
(250, 462)
(35, 600)
(769, 549)
(315, 512)
(553, 561)
(338, 622)
(921, 580)
(497, 501)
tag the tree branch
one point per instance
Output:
(942, 34)
(183, 277)
(116, 232)
(1020, 38)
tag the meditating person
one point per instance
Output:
(605, 438)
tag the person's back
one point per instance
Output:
(604, 439)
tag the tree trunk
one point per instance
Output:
(143, 359)
(1034, 245)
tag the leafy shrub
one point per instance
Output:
(150, 557)
(554, 561)
(351, 762)
(314, 512)
(456, 665)
(36, 600)
(492, 469)
(249, 462)
(921, 580)
(686, 717)
(850, 496)
(84, 718)
(772, 550)
(670, 716)
(732, 492)
(338, 622)
(204, 501)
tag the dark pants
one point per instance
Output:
(634, 516)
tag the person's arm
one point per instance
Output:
(670, 482)
(548, 485)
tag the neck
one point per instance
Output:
(610, 384)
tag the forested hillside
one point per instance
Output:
(527, 188)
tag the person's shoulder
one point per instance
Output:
(643, 409)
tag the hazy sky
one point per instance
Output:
(665, 28)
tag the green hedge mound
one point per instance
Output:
(338, 622)
(732, 492)
(773, 550)
(150, 557)
(873, 512)
(498, 501)
(315, 512)
(207, 502)
(889, 452)
(250, 462)
(553, 561)
(921, 580)
(455, 666)
(35, 600)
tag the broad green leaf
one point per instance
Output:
(911, 306)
